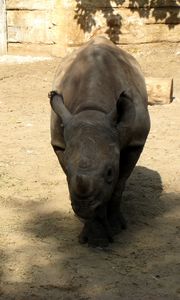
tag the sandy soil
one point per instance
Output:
(40, 257)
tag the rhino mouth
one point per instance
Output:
(85, 208)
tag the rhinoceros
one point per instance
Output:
(99, 125)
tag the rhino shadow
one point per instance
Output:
(141, 199)
(141, 204)
(71, 270)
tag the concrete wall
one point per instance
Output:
(54, 27)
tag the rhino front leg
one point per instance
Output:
(116, 219)
(96, 232)
(128, 160)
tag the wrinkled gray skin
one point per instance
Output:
(99, 125)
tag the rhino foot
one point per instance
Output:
(95, 234)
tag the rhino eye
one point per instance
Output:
(109, 175)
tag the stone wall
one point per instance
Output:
(29, 26)
(54, 27)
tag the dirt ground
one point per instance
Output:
(40, 257)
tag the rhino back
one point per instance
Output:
(96, 74)
(93, 77)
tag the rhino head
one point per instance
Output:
(91, 157)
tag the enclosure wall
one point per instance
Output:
(55, 27)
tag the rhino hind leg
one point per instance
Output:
(129, 158)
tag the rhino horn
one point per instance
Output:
(57, 104)
(82, 185)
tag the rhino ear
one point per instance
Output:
(57, 104)
(125, 108)
(124, 113)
